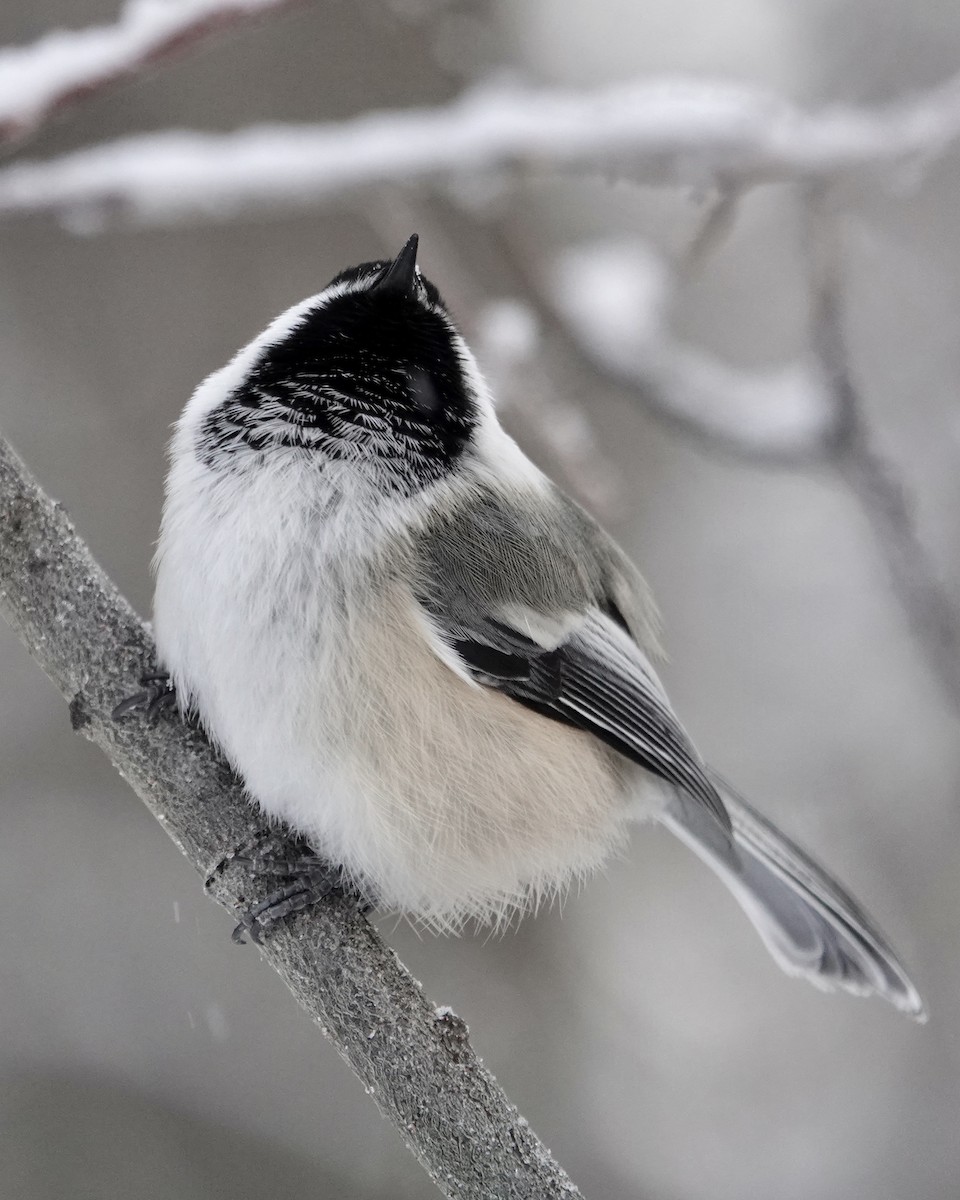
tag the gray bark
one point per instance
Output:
(416, 1063)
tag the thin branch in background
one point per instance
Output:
(65, 67)
(612, 303)
(932, 612)
(660, 132)
(506, 337)
(712, 232)
(614, 300)
(413, 1059)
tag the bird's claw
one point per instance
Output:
(311, 878)
(158, 696)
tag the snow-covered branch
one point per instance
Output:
(662, 132)
(506, 338)
(66, 65)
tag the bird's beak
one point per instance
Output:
(400, 278)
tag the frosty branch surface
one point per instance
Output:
(414, 1060)
(67, 65)
(660, 132)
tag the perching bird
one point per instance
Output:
(424, 657)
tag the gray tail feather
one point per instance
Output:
(810, 925)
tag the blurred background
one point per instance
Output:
(643, 1030)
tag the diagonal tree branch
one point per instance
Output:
(413, 1059)
(68, 66)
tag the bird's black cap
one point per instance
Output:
(374, 374)
(400, 277)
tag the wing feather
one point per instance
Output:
(598, 680)
(535, 600)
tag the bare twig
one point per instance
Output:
(933, 614)
(67, 66)
(662, 132)
(413, 1059)
(718, 220)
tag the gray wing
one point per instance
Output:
(540, 604)
(532, 604)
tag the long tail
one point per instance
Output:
(810, 925)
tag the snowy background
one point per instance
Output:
(643, 1031)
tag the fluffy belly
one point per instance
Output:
(448, 800)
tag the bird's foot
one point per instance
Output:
(158, 696)
(304, 880)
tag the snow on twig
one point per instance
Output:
(507, 342)
(613, 299)
(659, 132)
(67, 65)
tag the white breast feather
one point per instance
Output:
(308, 661)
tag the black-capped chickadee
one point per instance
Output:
(426, 659)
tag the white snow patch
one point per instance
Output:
(615, 298)
(507, 330)
(32, 78)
